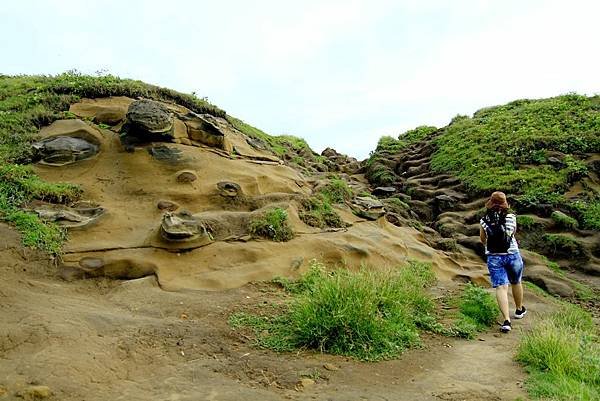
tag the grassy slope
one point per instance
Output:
(511, 148)
(28, 103)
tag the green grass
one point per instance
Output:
(417, 134)
(477, 312)
(564, 221)
(564, 246)
(526, 223)
(28, 103)
(562, 354)
(19, 186)
(506, 147)
(370, 315)
(318, 211)
(588, 213)
(272, 224)
(337, 190)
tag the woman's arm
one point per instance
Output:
(482, 235)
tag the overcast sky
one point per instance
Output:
(337, 73)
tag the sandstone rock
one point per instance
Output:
(330, 367)
(548, 281)
(186, 176)
(257, 143)
(181, 226)
(70, 273)
(90, 264)
(306, 382)
(80, 214)
(167, 205)
(229, 189)
(63, 150)
(384, 191)
(367, 207)
(149, 117)
(32, 393)
(329, 152)
(110, 116)
(202, 130)
(166, 154)
(443, 203)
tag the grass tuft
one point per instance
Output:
(477, 311)
(563, 355)
(370, 315)
(273, 224)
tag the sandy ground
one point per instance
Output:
(101, 339)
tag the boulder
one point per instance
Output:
(63, 150)
(146, 117)
(442, 203)
(548, 281)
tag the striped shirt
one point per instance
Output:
(511, 228)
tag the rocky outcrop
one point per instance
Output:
(80, 214)
(63, 150)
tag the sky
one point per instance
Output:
(336, 73)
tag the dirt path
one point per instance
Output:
(130, 340)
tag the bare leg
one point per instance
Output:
(517, 291)
(502, 298)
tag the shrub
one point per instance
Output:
(272, 224)
(564, 221)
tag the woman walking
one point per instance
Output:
(497, 232)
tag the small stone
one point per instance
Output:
(167, 205)
(229, 189)
(186, 176)
(306, 382)
(3, 391)
(35, 393)
(331, 367)
(91, 264)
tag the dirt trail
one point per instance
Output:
(130, 340)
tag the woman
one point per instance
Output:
(497, 232)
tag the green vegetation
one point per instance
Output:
(272, 224)
(564, 221)
(477, 311)
(527, 223)
(337, 190)
(417, 134)
(318, 211)
(508, 147)
(370, 315)
(588, 213)
(28, 103)
(562, 354)
(564, 246)
(19, 186)
(280, 145)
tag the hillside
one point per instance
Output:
(158, 235)
(543, 153)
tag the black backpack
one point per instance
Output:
(498, 241)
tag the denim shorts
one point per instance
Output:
(505, 269)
